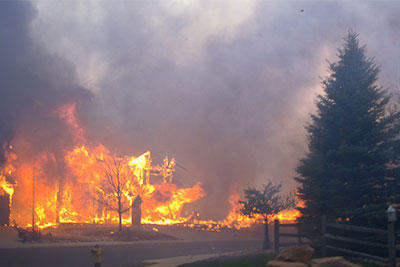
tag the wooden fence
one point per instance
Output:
(330, 232)
(278, 234)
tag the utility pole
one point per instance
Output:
(33, 199)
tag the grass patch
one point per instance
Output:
(253, 260)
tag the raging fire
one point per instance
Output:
(84, 185)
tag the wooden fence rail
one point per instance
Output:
(334, 232)
(277, 235)
(390, 246)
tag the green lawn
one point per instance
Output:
(253, 260)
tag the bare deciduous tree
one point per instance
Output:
(114, 190)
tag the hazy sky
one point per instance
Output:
(224, 86)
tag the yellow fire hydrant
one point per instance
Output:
(96, 253)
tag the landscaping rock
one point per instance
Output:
(332, 262)
(285, 264)
(302, 254)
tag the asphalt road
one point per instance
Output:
(117, 255)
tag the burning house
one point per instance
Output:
(60, 135)
(100, 187)
(94, 187)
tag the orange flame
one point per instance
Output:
(70, 194)
(74, 200)
(237, 220)
(6, 187)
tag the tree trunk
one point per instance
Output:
(120, 221)
(267, 243)
(120, 214)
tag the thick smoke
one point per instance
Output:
(34, 84)
(224, 86)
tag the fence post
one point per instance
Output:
(392, 236)
(276, 236)
(323, 238)
(299, 232)
(391, 244)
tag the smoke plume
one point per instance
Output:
(226, 87)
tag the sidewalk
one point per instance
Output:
(176, 261)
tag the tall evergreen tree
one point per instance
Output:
(353, 144)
